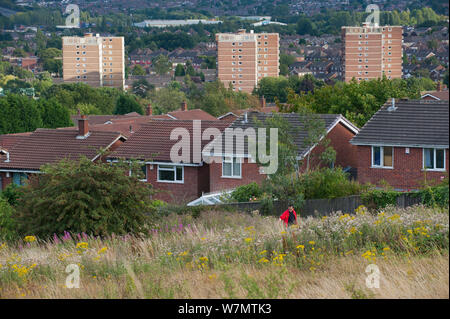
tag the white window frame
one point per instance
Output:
(230, 160)
(381, 157)
(174, 169)
(434, 164)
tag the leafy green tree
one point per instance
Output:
(83, 196)
(166, 99)
(273, 88)
(53, 114)
(8, 226)
(138, 70)
(161, 64)
(127, 104)
(190, 69)
(179, 70)
(142, 88)
(18, 114)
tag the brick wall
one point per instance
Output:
(346, 153)
(250, 173)
(406, 174)
(195, 181)
(5, 181)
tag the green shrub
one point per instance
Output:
(11, 194)
(434, 196)
(328, 183)
(245, 193)
(266, 205)
(82, 196)
(379, 198)
(8, 227)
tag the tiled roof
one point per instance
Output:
(195, 114)
(7, 141)
(101, 119)
(125, 125)
(152, 141)
(413, 123)
(438, 95)
(296, 127)
(51, 145)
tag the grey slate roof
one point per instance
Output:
(296, 128)
(415, 123)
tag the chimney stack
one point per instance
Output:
(263, 101)
(83, 127)
(439, 86)
(184, 106)
(149, 110)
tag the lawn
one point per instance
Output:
(239, 255)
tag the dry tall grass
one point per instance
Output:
(230, 255)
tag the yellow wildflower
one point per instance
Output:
(29, 239)
(82, 245)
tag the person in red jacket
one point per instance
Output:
(289, 217)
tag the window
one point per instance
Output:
(19, 178)
(383, 156)
(231, 167)
(434, 159)
(171, 173)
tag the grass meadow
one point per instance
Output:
(238, 255)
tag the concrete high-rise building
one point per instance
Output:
(371, 51)
(244, 58)
(95, 60)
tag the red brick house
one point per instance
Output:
(404, 142)
(24, 154)
(230, 171)
(176, 181)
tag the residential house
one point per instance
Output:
(437, 95)
(176, 181)
(321, 68)
(404, 143)
(228, 171)
(24, 154)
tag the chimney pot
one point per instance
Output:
(149, 110)
(263, 101)
(83, 126)
(184, 106)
